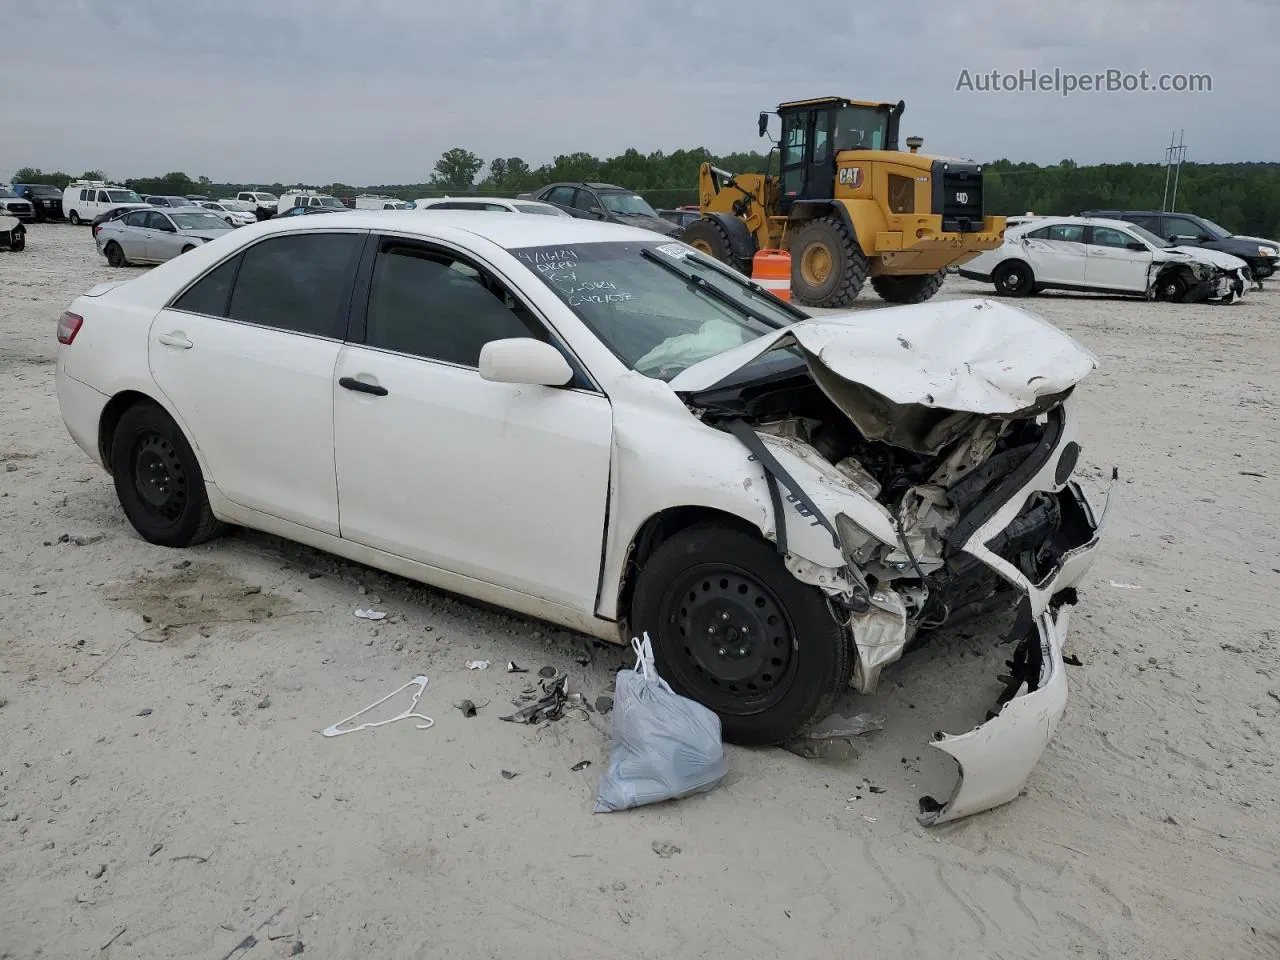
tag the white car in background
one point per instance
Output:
(233, 215)
(499, 204)
(1096, 255)
(590, 424)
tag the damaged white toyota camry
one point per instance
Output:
(593, 425)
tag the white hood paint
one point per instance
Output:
(1217, 258)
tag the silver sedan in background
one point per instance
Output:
(154, 236)
(232, 215)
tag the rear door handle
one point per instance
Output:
(351, 383)
(176, 340)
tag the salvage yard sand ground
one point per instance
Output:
(165, 788)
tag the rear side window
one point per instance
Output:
(300, 283)
(561, 195)
(211, 292)
(138, 219)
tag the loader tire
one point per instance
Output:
(707, 236)
(909, 288)
(828, 268)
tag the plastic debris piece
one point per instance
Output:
(832, 739)
(549, 706)
(512, 668)
(509, 774)
(467, 707)
(604, 704)
(665, 746)
(1124, 586)
(664, 850)
(371, 615)
(580, 765)
(420, 682)
(477, 664)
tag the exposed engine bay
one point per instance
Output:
(940, 474)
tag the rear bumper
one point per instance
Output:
(81, 407)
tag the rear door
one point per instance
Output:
(1057, 253)
(133, 235)
(246, 357)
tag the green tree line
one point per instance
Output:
(1243, 197)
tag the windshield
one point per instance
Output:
(198, 221)
(1218, 232)
(659, 307)
(264, 196)
(123, 196)
(329, 202)
(861, 128)
(537, 208)
(627, 204)
(1148, 236)
(42, 191)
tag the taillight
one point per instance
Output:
(68, 326)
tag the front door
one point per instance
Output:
(1111, 264)
(503, 483)
(246, 357)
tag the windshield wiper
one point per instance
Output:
(706, 286)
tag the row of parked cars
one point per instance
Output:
(1163, 256)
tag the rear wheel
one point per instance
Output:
(910, 288)
(75, 219)
(828, 268)
(1014, 278)
(735, 631)
(158, 479)
(707, 236)
(115, 255)
(187, 249)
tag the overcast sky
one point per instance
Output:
(372, 91)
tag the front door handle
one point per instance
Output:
(351, 383)
(176, 340)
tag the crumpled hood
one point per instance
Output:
(914, 376)
(1219, 259)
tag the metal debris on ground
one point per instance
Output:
(467, 707)
(832, 739)
(512, 668)
(580, 765)
(509, 774)
(477, 664)
(549, 706)
(370, 614)
(604, 704)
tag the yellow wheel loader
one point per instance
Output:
(849, 206)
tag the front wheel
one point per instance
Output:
(909, 288)
(158, 479)
(1014, 278)
(735, 631)
(75, 219)
(708, 236)
(828, 268)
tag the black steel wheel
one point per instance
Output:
(735, 631)
(18, 240)
(158, 479)
(1014, 278)
(115, 255)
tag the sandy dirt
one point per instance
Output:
(165, 788)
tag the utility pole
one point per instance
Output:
(1174, 154)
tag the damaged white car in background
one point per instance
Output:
(1094, 255)
(623, 437)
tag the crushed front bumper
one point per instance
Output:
(997, 757)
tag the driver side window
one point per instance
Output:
(1181, 227)
(1107, 237)
(138, 219)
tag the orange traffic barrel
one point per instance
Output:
(772, 270)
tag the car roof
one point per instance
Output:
(506, 232)
(1049, 221)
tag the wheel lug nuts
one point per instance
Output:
(722, 651)
(711, 631)
(724, 615)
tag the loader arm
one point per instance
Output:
(743, 196)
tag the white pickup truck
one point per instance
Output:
(263, 204)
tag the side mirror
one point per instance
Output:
(524, 360)
(599, 212)
(764, 123)
(1135, 245)
(1181, 238)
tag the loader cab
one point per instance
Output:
(814, 131)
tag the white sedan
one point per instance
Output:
(233, 215)
(593, 425)
(492, 204)
(1096, 255)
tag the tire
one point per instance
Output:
(115, 255)
(1014, 278)
(158, 479)
(17, 241)
(793, 658)
(909, 288)
(1172, 287)
(828, 268)
(186, 249)
(75, 219)
(708, 236)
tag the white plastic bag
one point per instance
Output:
(665, 746)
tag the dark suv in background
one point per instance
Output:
(46, 201)
(604, 201)
(1189, 230)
